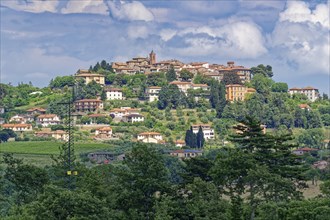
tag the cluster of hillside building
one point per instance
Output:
(149, 64)
(94, 108)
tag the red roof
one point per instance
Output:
(16, 125)
(36, 109)
(105, 129)
(47, 116)
(149, 133)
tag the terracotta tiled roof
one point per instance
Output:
(16, 125)
(154, 87)
(36, 109)
(47, 116)
(180, 142)
(303, 106)
(105, 129)
(149, 133)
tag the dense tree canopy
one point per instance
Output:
(266, 71)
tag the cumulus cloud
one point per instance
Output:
(35, 6)
(129, 11)
(299, 12)
(301, 38)
(86, 6)
(234, 39)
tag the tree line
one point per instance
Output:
(259, 178)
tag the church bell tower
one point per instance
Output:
(152, 58)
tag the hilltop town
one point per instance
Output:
(146, 125)
(162, 100)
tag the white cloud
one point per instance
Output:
(86, 6)
(132, 11)
(299, 12)
(301, 38)
(35, 6)
(235, 39)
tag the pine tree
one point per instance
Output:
(262, 165)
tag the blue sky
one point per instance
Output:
(43, 39)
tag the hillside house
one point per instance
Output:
(183, 86)
(132, 118)
(114, 94)
(18, 119)
(304, 106)
(103, 133)
(150, 137)
(88, 77)
(58, 134)
(47, 120)
(18, 127)
(152, 93)
(236, 92)
(120, 112)
(206, 128)
(88, 105)
(311, 93)
(36, 111)
(304, 150)
(186, 153)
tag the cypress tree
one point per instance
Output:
(170, 74)
(200, 138)
(188, 138)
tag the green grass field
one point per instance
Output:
(38, 152)
(48, 147)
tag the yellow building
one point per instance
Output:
(89, 77)
(236, 92)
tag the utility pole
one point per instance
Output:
(68, 147)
